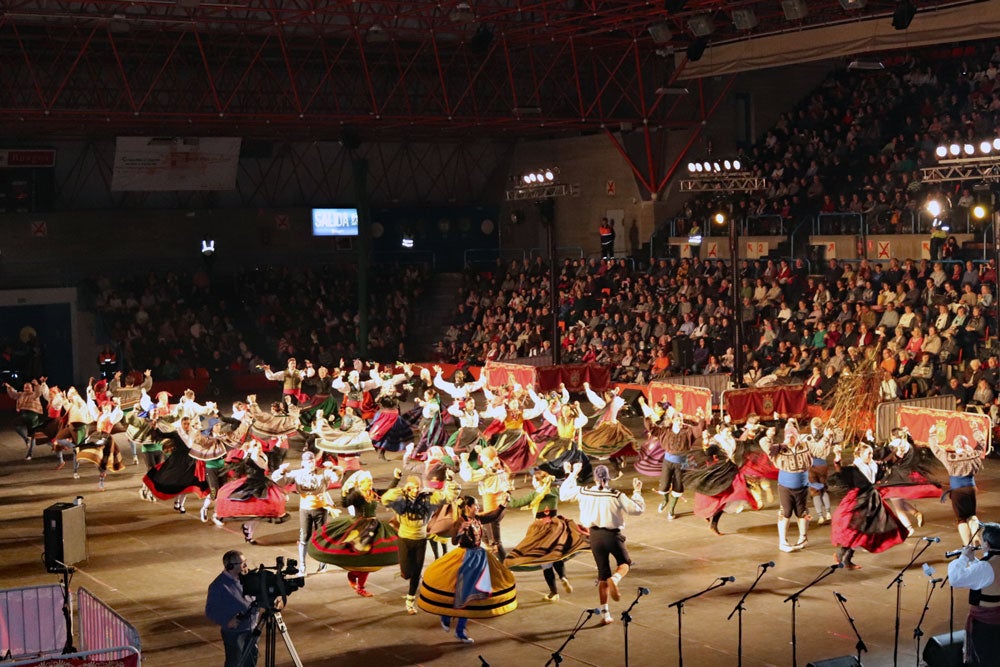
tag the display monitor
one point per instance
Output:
(335, 221)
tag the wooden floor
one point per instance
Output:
(153, 566)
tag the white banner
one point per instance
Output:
(175, 163)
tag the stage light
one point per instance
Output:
(707, 166)
(549, 176)
(207, 247)
(942, 151)
(691, 167)
(996, 144)
(954, 149)
(933, 207)
(969, 149)
(736, 165)
(698, 167)
(979, 212)
(696, 49)
(526, 178)
(719, 218)
(727, 165)
(716, 167)
(903, 16)
(985, 147)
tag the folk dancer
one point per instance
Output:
(291, 378)
(793, 459)
(603, 510)
(862, 520)
(551, 539)
(469, 582)
(963, 461)
(413, 506)
(357, 541)
(314, 502)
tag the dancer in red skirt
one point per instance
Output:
(862, 520)
(907, 478)
(720, 485)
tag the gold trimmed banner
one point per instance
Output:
(920, 421)
(684, 398)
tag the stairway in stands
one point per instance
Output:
(433, 315)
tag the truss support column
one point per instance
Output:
(359, 168)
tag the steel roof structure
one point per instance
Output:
(306, 67)
(312, 70)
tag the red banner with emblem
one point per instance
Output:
(499, 374)
(920, 421)
(573, 376)
(786, 400)
(683, 398)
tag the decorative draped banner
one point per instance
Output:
(684, 398)
(573, 376)
(786, 400)
(920, 421)
(499, 374)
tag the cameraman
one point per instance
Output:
(234, 612)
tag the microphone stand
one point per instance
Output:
(917, 631)
(738, 610)
(627, 618)
(860, 646)
(680, 608)
(794, 598)
(557, 656)
(951, 611)
(898, 582)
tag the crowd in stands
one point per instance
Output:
(178, 323)
(856, 145)
(929, 325)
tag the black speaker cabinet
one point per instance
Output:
(65, 535)
(842, 661)
(683, 350)
(945, 650)
(631, 398)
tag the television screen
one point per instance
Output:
(335, 221)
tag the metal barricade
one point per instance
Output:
(131, 658)
(103, 629)
(31, 621)
(885, 413)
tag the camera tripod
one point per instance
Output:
(271, 623)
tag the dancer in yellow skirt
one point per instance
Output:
(468, 582)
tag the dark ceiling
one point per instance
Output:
(309, 69)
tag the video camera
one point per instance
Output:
(265, 584)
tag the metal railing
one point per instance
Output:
(32, 621)
(838, 224)
(618, 255)
(772, 224)
(480, 256)
(103, 629)
(562, 252)
(407, 256)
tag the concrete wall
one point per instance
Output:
(881, 247)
